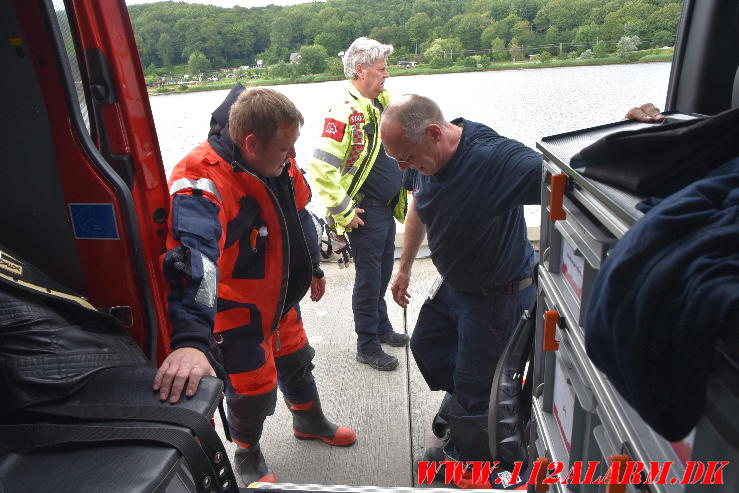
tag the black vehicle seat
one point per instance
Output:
(78, 412)
(106, 466)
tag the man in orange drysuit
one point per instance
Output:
(238, 264)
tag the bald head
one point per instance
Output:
(413, 113)
(415, 134)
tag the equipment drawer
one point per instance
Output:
(573, 248)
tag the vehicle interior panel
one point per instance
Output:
(706, 60)
(35, 222)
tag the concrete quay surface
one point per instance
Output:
(391, 412)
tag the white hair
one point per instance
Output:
(364, 51)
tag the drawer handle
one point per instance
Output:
(556, 198)
(619, 486)
(550, 325)
(541, 474)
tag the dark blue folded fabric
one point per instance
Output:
(661, 159)
(667, 291)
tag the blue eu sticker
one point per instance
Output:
(93, 221)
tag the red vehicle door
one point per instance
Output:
(89, 203)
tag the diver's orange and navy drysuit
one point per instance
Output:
(238, 263)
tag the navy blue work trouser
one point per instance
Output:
(459, 337)
(456, 343)
(374, 250)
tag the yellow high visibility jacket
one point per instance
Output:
(344, 157)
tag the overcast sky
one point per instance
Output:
(232, 3)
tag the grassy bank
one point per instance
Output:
(395, 71)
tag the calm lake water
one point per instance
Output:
(522, 104)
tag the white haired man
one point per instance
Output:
(361, 188)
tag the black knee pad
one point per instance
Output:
(296, 367)
(246, 413)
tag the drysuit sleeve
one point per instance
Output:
(191, 267)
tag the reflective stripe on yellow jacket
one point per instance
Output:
(343, 158)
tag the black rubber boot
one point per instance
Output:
(252, 467)
(309, 423)
(468, 433)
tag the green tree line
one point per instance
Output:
(203, 36)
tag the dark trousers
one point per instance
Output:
(374, 249)
(434, 341)
(485, 325)
(456, 343)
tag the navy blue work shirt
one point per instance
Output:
(383, 181)
(473, 209)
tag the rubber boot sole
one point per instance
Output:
(269, 478)
(307, 436)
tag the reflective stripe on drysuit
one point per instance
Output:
(229, 251)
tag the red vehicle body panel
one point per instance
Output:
(109, 265)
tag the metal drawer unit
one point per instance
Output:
(574, 246)
(581, 220)
(564, 408)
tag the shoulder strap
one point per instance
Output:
(17, 272)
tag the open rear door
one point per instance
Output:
(705, 69)
(87, 197)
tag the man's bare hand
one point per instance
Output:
(182, 365)
(356, 220)
(647, 112)
(399, 288)
(317, 288)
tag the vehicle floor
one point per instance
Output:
(391, 412)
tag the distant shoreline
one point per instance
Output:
(396, 71)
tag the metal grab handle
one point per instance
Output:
(550, 326)
(541, 474)
(556, 198)
(619, 486)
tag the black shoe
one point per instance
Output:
(251, 466)
(379, 361)
(394, 339)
